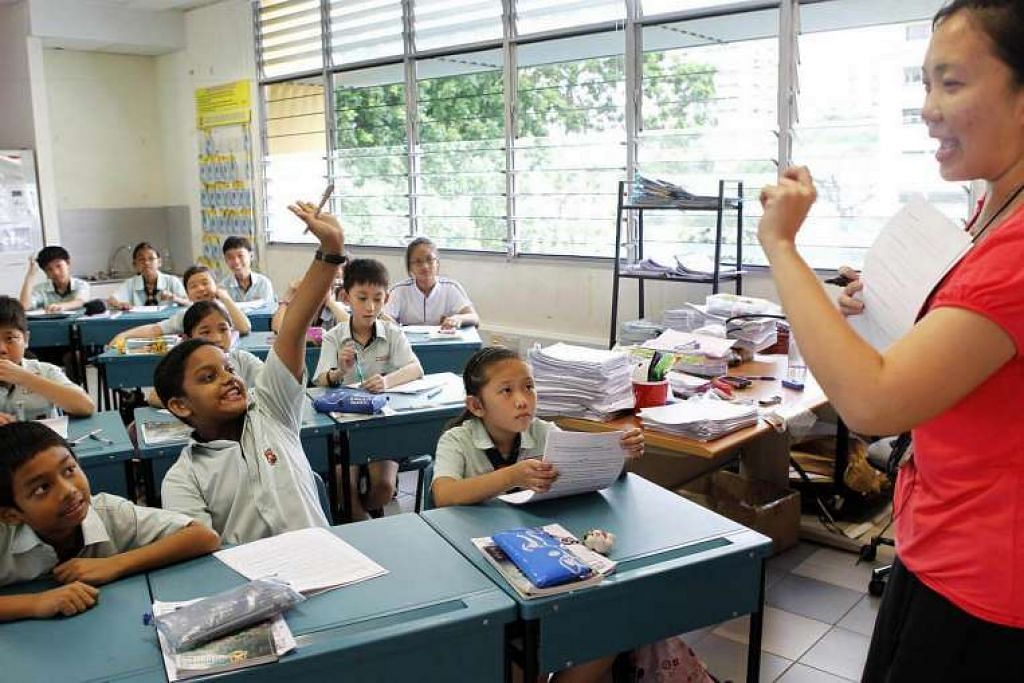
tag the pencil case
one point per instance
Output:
(218, 615)
(541, 557)
(348, 400)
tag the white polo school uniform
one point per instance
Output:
(410, 306)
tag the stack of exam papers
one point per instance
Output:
(638, 331)
(703, 419)
(577, 381)
(694, 266)
(687, 385)
(685, 319)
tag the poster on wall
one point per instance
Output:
(225, 169)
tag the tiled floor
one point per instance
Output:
(817, 626)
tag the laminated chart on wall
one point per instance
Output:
(226, 192)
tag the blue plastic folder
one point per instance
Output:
(347, 400)
(541, 557)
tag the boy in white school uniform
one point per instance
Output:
(200, 286)
(53, 525)
(243, 284)
(29, 388)
(426, 298)
(150, 287)
(60, 291)
(372, 352)
(243, 471)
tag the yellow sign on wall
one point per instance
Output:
(223, 105)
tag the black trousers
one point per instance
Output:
(921, 636)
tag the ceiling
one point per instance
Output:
(156, 5)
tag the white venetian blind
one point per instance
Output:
(290, 37)
(365, 29)
(449, 23)
(534, 16)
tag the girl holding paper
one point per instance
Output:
(954, 606)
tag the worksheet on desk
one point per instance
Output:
(585, 462)
(914, 251)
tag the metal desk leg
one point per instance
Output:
(345, 459)
(756, 627)
(531, 649)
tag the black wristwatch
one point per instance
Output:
(333, 259)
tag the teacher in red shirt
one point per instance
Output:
(954, 606)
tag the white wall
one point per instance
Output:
(104, 127)
(84, 25)
(16, 125)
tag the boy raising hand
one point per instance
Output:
(244, 472)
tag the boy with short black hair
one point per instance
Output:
(200, 286)
(52, 522)
(29, 388)
(244, 471)
(60, 292)
(243, 284)
(373, 352)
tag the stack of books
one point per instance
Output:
(576, 381)
(702, 419)
(650, 192)
(687, 266)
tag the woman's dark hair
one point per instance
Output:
(141, 247)
(199, 310)
(411, 247)
(1002, 21)
(474, 376)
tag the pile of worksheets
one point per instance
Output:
(638, 331)
(702, 418)
(577, 381)
(685, 319)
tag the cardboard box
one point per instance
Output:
(756, 504)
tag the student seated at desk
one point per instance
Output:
(243, 284)
(496, 445)
(243, 471)
(60, 292)
(29, 388)
(209, 320)
(425, 298)
(150, 287)
(53, 524)
(200, 285)
(331, 312)
(372, 352)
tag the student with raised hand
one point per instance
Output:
(200, 286)
(150, 287)
(53, 525)
(30, 388)
(243, 284)
(209, 320)
(426, 298)
(373, 353)
(243, 471)
(953, 609)
(60, 292)
(331, 312)
(496, 445)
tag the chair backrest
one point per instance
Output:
(321, 492)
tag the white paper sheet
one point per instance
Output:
(251, 305)
(147, 309)
(57, 424)
(911, 255)
(425, 383)
(310, 560)
(585, 462)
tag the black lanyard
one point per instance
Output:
(498, 461)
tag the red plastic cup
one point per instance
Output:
(650, 394)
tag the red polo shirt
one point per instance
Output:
(960, 502)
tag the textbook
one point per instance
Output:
(261, 643)
(155, 432)
(600, 565)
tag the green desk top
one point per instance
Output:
(106, 643)
(113, 429)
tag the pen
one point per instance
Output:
(328, 191)
(359, 370)
(83, 437)
(764, 378)
(435, 392)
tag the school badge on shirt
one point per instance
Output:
(270, 456)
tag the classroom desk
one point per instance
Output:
(762, 463)
(97, 331)
(108, 466)
(48, 333)
(680, 567)
(260, 343)
(411, 427)
(260, 318)
(106, 643)
(446, 355)
(317, 435)
(433, 617)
